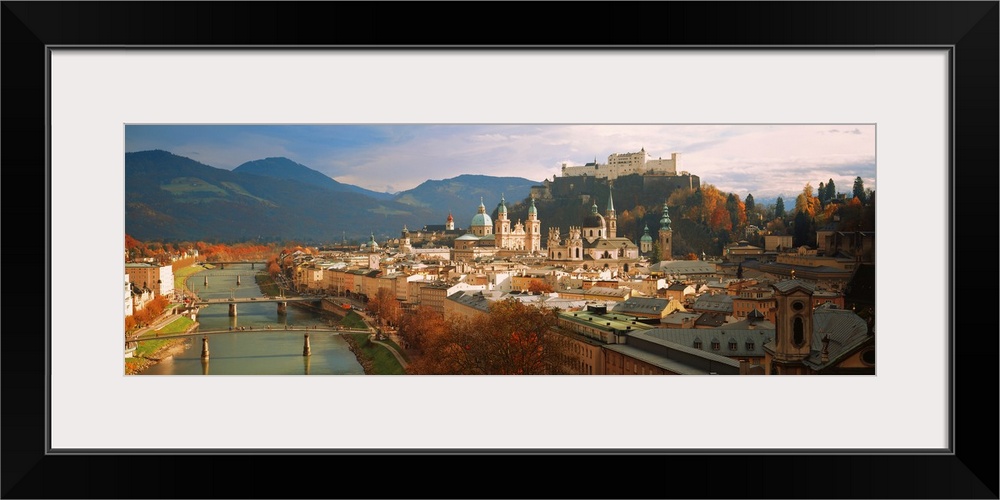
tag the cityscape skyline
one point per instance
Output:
(764, 160)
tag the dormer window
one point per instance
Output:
(697, 343)
(749, 346)
(716, 345)
(733, 345)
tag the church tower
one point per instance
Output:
(373, 253)
(404, 241)
(666, 250)
(793, 328)
(502, 225)
(450, 224)
(610, 216)
(533, 230)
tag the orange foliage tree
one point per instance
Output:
(512, 339)
(539, 286)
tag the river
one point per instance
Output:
(260, 351)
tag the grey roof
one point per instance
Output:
(683, 267)
(635, 349)
(678, 317)
(744, 339)
(642, 305)
(677, 287)
(714, 303)
(847, 332)
(475, 300)
(712, 319)
(789, 285)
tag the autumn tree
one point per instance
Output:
(385, 307)
(691, 256)
(807, 202)
(539, 286)
(420, 326)
(512, 339)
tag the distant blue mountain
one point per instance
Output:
(283, 168)
(460, 195)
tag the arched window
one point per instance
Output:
(798, 332)
(578, 253)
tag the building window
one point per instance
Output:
(733, 345)
(798, 331)
(715, 345)
(697, 343)
(749, 346)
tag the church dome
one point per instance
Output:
(532, 210)
(645, 236)
(502, 206)
(482, 220)
(593, 220)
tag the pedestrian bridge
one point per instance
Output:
(306, 348)
(281, 301)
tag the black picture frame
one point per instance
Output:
(969, 28)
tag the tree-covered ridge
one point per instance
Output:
(704, 219)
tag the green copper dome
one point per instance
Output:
(665, 220)
(645, 236)
(481, 219)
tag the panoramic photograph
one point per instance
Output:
(499, 249)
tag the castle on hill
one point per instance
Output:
(622, 164)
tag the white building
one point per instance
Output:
(622, 164)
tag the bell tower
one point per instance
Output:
(793, 329)
(612, 219)
(666, 250)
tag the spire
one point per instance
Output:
(593, 208)
(482, 207)
(665, 220)
(532, 210)
(611, 201)
(502, 206)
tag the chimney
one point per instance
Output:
(825, 355)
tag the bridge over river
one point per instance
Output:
(205, 353)
(232, 301)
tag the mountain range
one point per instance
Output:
(174, 198)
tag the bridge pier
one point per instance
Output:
(206, 280)
(222, 267)
(204, 348)
(237, 280)
(306, 349)
(232, 310)
(282, 308)
(252, 264)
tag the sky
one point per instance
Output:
(764, 160)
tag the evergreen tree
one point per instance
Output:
(748, 203)
(779, 208)
(803, 229)
(859, 189)
(821, 193)
(831, 190)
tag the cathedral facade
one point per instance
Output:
(487, 237)
(596, 239)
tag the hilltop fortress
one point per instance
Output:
(621, 164)
(660, 175)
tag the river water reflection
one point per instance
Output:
(260, 351)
